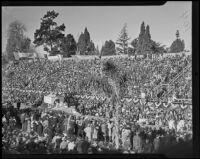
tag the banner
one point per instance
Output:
(55, 58)
(19, 55)
(92, 99)
(49, 99)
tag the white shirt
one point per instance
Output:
(4, 119)
(71, 146)
(110, 128)
(63, 145)
(43, 114)
(171, 124)
(54, 139)
(142, 95)
(180, 125)
(88, 131)
(125, 133)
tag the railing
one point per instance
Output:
(181, 73)
(174, 79)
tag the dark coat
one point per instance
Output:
(40, 129)
(137, 143)
(34, 127)
(148, 148)
(58, 129)
(82, 146)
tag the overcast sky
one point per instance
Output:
(105, 22)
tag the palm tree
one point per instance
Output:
(111, 83)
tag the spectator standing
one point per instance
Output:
(104, 130)
(156, 143)
(148, 147)
(110, 126)
(88, 132)
(137, 143)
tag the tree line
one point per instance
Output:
(51, 36)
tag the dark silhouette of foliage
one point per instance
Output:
(49, 34)
(108, 48)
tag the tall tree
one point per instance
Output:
(16, 39)
(81, 44)
(122, 41)
(157, 48)
(108, 48)
(85, 44)
(131, 51)
(141, 38)
(144, 44)
(49, 34)
(134, 44)
(178, 45)
(68, 46)
(147, 33)
(177, 34)
(147, 43)
(90, 48)
(87, 36)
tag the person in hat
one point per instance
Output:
(22, 118)
(148, 147)
(40, 128)
(156, 143)
(104, 130)
(64, 144)
(95, 132)
(110, 126)
(4, 119)
(137, 143)
(82, 146)
(71, 144)
(88, 132)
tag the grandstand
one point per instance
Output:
(155, 88)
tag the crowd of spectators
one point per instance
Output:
(33, 131)
(47, 76)
(36, 131)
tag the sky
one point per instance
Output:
(105, 22)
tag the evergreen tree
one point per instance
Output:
(147, 32)
(178, 45)
(147, 43)
(134, 44)
(85, 44)
(144, 45)
(131, 51)
(141, 40)
(90, 48)
(49, 34)
(87, 36)
(157, 48)
(68, 46)
(81, 44)
(177, 34)
(122, 41)
(108, 48)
